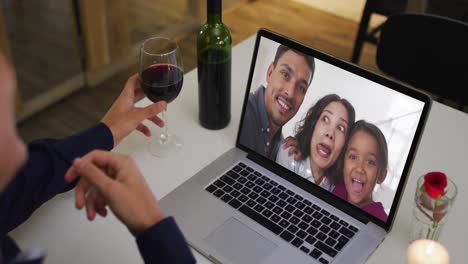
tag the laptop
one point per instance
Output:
(246, 207)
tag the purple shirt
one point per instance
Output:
(374, 208)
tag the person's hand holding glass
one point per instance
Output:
(161, 77)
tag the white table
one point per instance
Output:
(70, 238)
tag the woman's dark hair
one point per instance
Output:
(382, 152)
(305, 129)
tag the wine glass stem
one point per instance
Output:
(165, 134)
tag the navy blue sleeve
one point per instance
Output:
(164, 243)
(42, 176)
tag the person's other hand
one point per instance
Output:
(293, 145)
(123, 117)
(109, 179)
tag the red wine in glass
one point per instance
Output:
(161, 76)
(162, 82)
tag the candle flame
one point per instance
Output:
(430, 248)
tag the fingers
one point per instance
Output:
(96, 170)
(157, 121)
(289, 141)
(138, 93)
(128, 196)
(131, 84)
(150, 112)
(133, 87)
(71, 174)
(93, 174)
(144, 129)
(103, 164)
(291, 151)
(153, 109)
(93, 179)
(292, 144)
(80, 193)
(90, 201)
(101, 206)
(298, 156)
(95, 204)
(104, 159)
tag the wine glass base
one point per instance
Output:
(165, 145)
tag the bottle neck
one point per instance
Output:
(213, 11)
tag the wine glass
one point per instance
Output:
(161, 77)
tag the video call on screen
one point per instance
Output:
(395, 114)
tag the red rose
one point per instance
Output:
(435, 183)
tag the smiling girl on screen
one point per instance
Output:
(364, 165)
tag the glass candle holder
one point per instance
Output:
(430, 211)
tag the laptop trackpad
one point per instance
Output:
(239, 243)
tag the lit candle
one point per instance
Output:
(424, 251)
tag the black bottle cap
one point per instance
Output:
(214, 6)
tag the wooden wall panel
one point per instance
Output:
(107, 37)
(105, 31)
(94, 26)
(198, 7)
(118, 28)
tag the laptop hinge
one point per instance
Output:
(214, 260)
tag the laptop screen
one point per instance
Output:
(342, 128)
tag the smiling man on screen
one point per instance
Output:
(269, 108)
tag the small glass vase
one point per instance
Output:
(429, 214)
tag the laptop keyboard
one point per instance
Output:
(305, 225)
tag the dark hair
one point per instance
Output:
(374, 131)
(309, 59)
(305, 128)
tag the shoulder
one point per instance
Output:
(252, 105)
(251, 118)
(256, 96)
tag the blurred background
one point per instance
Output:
(73, 57)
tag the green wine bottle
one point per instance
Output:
(214, 46)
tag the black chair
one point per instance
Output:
(457, 9)
(381, 7)
(429, 52)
